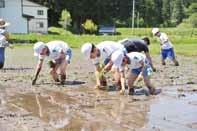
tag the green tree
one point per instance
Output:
(166, 12)
(193, 8)
(193, 20)
(90, 26)
(108, 12)
(65, 19)
(178, 12)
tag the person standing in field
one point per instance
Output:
(138, 45)
(59, 52)
(167, 49)
(4, 37)
(102, 51)
(138, 64)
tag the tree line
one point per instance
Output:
(148, 13)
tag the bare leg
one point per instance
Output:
(63, 67)
(116, 75)
(131, 80)
(53, 73)
(176, 63)
(150, 86)
(163, 62)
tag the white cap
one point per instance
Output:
(38, 47)
(86, 50)
(155, 30)
(117, 58)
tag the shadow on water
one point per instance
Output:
(70, 83)
(16, 69)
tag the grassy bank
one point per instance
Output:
(184, 40)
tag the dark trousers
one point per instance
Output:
(2, 57)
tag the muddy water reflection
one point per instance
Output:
(175, 111)
(52, 107)
(91, 110)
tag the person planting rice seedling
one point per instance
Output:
(4, 37)
(103, 50)
(59, 52)
(108, 84)
(167, 49)
(138, 64)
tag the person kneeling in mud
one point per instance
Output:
(138, 65)
(103, 50)
(59, 52)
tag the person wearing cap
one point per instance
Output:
(102, 51)
(167, 49)
(59, 52)
(4, 37)
(138, 45)
(138, 64)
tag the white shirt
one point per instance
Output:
(55, 49)
(2, 31)
(166, 44)
(117, 58)
(106, 49)
(135, 59)
(3, 40)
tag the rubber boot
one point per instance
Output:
(176, 63)
(154, 91)
(63, 78)
(57, 80)
(1, 65)
(131, 91)
(103, 81)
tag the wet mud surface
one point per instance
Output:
(77, 106)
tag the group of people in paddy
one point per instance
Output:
(106, 56)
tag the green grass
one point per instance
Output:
(183, 42)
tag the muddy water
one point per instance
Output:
(98, 110)
(176, 110)
(76, 106)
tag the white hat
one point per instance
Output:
(38, 47)
(117, 58)
(155, 30)
(86, 50)
(3, 23)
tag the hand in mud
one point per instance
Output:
(34, 82)
(97, 86)
(103, 71)
(122, 92)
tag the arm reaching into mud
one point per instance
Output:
(143, 69)
(100, 78)
(97, 75)
(122, 80)
(38, 69)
